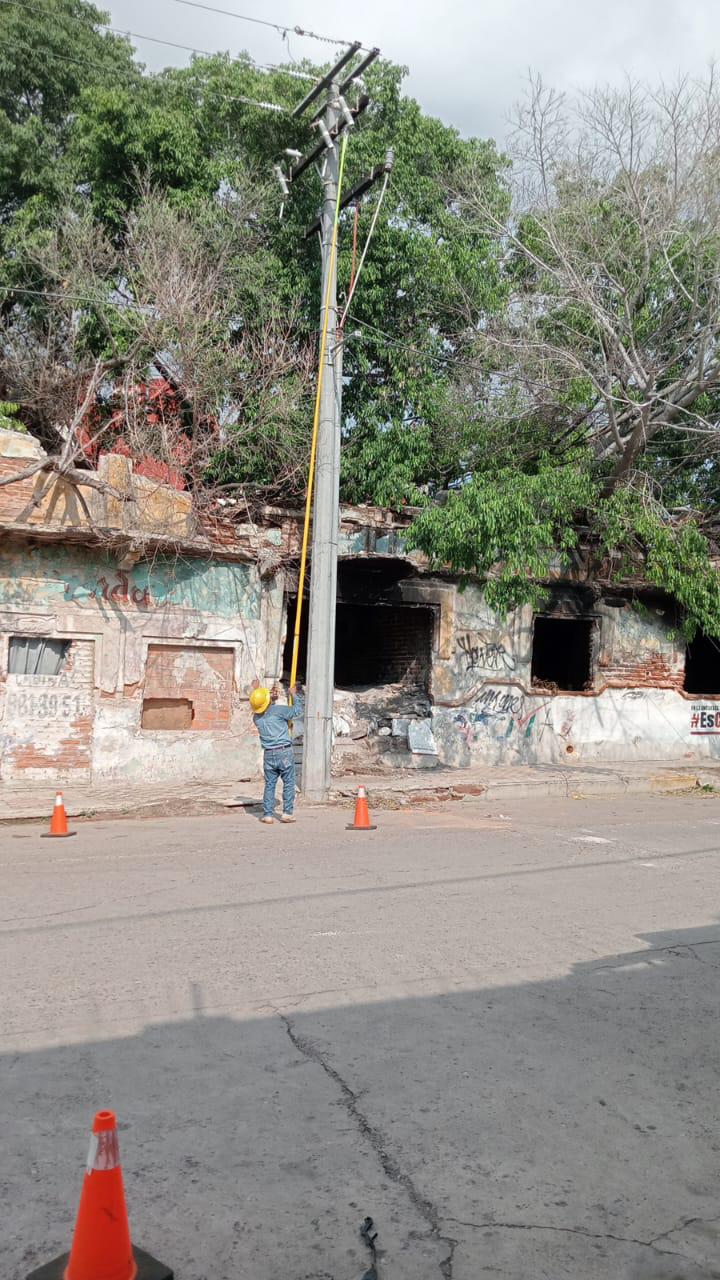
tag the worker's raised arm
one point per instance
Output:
(298, 703)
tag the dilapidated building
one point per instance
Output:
(130, 633)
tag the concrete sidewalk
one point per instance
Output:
(24, 801)
(524, 782)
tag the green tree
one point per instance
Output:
(191, 133)
(49, 54)
(596, 391)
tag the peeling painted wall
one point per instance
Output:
(486, 710)
(116, 615)
(40, 575)
(483, 706)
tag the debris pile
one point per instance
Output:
(380, 727)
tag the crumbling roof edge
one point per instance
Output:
(137, 541)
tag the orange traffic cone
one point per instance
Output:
(362, 815)
(101, 1248)
(58, 822)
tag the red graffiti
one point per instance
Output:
(121, 593)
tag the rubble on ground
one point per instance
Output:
(382, 726)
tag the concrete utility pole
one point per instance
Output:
(323, 582)
(320, 673)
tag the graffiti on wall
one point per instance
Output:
(119, 589)
(43, 576)
(483, 653)
(499, 713)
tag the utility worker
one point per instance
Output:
(272, 721)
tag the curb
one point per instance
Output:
(561, 785)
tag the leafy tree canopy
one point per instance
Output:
(595, 392)
(191, 134)
(541, 339)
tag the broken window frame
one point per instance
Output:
(590, 622)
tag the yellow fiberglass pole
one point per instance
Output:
(316, 424)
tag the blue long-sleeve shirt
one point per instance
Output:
(272, 725)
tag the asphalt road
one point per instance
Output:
(495, 1034)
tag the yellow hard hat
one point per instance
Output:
(260, 700)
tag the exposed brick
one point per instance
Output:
(41, 734)
(652, 671)
(383, 644)
(202, 675)
(14, 497)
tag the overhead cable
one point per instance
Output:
(126, 73)
(283, 27)
(245, 60)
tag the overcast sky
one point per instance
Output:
(468, 59)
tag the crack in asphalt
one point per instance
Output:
(593, 1235)
(426, 1209)
(677, 949)
(686, 1222)
(423, 1207)
(429, 1211)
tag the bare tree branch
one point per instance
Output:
(163, 346)
(613, 247)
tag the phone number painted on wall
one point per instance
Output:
(47, 706)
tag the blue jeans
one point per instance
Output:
(279, 763)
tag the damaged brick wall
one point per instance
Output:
(14, 497)
(383, 644)
(208, 627)
(639, 651)
(488, 711)
(48, 721)
(195, 674)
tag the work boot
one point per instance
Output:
(288, 817)
(267, 818)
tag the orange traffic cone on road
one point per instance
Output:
(59, 822)
(362, 814)
(101, 1246)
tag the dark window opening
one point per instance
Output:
(562, 653)
(374, 644)
(383, 644)
(702, 665)
(364, 581)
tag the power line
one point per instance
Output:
(282, 27)
(213, 53)
(119, 303)
(126, 73)
(246, 60)
(442, 361)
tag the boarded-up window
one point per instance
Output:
(187, 687)
(167, 713)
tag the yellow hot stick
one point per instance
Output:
(316, 424)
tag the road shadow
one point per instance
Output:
(564, 1129)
